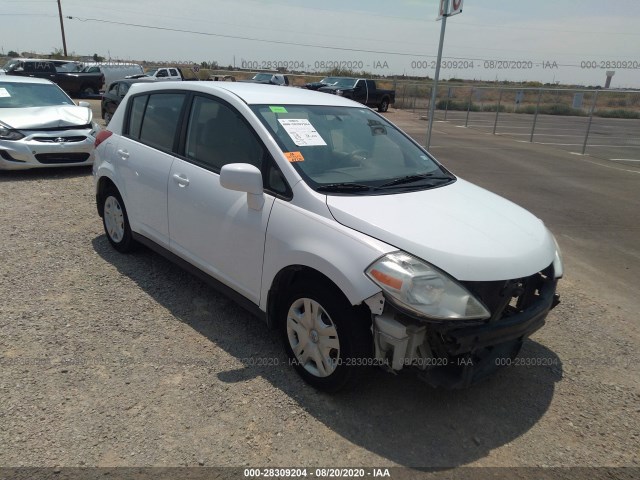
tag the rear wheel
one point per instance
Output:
(328, 341)
(116, 222)
(384, 105)
(88, 91)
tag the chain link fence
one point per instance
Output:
(602, 123)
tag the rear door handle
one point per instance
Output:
(123, 154)
(180, 179)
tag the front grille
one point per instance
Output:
(77, 138)
(509, 297)
(52, 158)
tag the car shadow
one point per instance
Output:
(37, 174)
(394, 416)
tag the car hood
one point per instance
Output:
(46, 117)
(468, 232)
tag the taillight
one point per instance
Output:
(102, 136)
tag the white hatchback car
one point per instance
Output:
(40, 126)
(331, 224)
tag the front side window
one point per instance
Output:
(217, 136)
(350, 150)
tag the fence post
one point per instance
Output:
(446, 107)
(415, 96)
(466, 122)
(495, 124)
(586, 136)
(535, 117)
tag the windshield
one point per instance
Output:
(329, 80)
(151, 73)
(23, 95)
(10, 65)
(344, 82)
(263, 77)
(349, 149)
(68, 67)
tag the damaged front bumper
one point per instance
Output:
(459, 353)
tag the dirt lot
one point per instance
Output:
(126, 360)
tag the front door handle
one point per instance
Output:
(123, 154)
(180, 179)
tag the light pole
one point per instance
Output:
(434, 90)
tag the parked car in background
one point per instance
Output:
(65, 73)
(114, 94)
(324, 219)
(363, 91)
(322, 83)
(113, 71)
(40, 126)
(167, 73)
(269, 79)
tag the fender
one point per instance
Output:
(299, 237)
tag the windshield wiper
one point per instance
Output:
(343, 187)
(414, 178)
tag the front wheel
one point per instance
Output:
(384, 105)
(328, 341)
(116, 222)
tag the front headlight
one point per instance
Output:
(8, 134)
(419, 287)
(339, 92)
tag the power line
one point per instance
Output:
(281, 42)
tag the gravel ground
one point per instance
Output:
(126, 360)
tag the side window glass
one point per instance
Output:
(173, 72)
(113, 88)
(135, 118)
(161, 73)
(216, 136)
(160, 119)
(123, 88)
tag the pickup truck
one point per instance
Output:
(65, 73)
(363, 91)
(164, 74)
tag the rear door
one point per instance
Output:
(210, 226)
(144, 156)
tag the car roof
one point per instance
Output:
(254, 93)
(20, 79)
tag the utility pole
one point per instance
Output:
(64, 41)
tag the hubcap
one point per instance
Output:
(313, 337)
(113, 219)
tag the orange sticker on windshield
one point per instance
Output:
(294, 156)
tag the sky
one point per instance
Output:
(550, 41)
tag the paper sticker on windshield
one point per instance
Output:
(278, 109)
(4, 93)
(301, 132)
(294, 157)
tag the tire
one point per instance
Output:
(328, 341)
(88, 91)
(384, 105)
(116, 222)
(107, 118)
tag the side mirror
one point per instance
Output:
(84, 104)
(243, 177)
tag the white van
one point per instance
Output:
(113, 71)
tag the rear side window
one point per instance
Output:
(154, 118)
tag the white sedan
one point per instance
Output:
(40, 126)
(327, 221)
